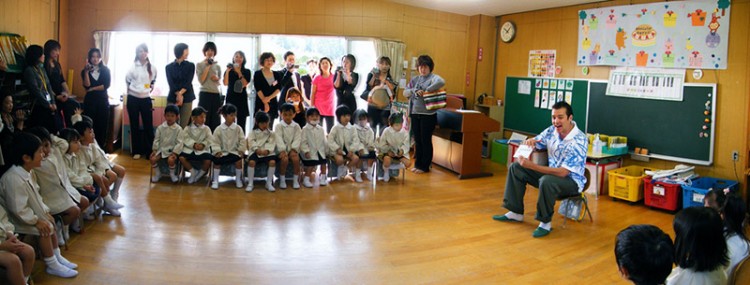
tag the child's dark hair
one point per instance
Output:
(69, 134)
(172, 108)
(23, 144)
(395, 118)
(82, 126)
(312, 111)
(198, 111)
(227, 109)
(342, 111)
(734, 212)
(261, 117)
(287, 107)
(715, 198)
(699, 240)
(88, 119)
(645, 252)
(41, 133)
(360, 114)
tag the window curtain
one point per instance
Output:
(101, 41)
(394, 51)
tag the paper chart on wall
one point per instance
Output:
(524, 87)
(542, 63)
(680, 34)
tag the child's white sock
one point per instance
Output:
(295, 181)
(215, 175)
(55, 268)
(238, 173)
(386, 175)
(269, 178)
(546, 226)
(62, 259)
(172, 174)
(116, 189)
(111, 203)
(250, 179)
(514, 216)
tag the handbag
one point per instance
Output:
(434, 100)
(573, 209)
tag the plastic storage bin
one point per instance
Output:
(661, 195)
(499, 151)
(692, 196)
(626, 183)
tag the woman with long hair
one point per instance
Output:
(379, 94)
(43, 103)
(140, 79)
(66, 102)
(345, 81)
(323, 93)
(96, 79)
(236, 78)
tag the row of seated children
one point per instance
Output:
(350, 147)
(44, 191)
(709, 243)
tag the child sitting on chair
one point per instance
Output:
(165, 143)
(289, 137)
(16, 257)
(700, 249)
(294, 97)
(367, 138)
(230, 143)
(343, 144)
(78, 174)
(19, 195)
(111, 173)
(195, 142)
(261, 143)
(393, 144)
(644, 254)
(95, 166)
(54, 185)
(313, 148)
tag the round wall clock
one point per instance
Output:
(508, 31)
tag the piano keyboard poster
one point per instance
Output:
(646, 83)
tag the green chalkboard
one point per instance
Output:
(521, 115)
(668, 129)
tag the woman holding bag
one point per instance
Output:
(423, 120)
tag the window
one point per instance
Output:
(364, 51)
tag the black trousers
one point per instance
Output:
(347, 100)
(422, 127)
(96, 106)
(44, 117)
(329, 122)
(211, 102)
(141, 140)
(378, 118)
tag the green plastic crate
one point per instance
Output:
(499, 152)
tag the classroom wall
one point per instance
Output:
(481, 73)
(34, 19)
(557, 29)
(439, 34)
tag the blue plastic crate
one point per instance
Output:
(692, 196)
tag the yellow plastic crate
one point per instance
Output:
(626, 183)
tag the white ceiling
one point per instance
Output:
(490, 7)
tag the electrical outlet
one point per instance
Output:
(735, 155)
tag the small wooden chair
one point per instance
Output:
(741, 273)
(579, 197)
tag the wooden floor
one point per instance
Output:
(433, 228)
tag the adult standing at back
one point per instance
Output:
(43, 103)
(312, 71)
(236, 79)
(323, 93)
(423, 121)
(66, 103)
(208, 72)
(566, 147)
(180, 79)
(345, 81)
(379, 94)
(290, 78)
(140, 79)
(267, 87)
(96, 80)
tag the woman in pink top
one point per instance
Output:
(323, 92)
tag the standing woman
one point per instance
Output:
(65, 102)
(379, 94)
(422, 120)
(140, 79)
(96, 80)
(208, 72)
(43, 105)
(236, 79)
(180, 78)
(322, 93)
(312, 71)
(267, 87)
(345, 81)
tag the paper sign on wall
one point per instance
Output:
(542, 63)
(648, 83)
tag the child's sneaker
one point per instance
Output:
(358, 177)
(249, 187)
(214, 185)
(306, 182)
(341, 172)
(174, 178)
(282, 183)
(60, 270)
(157, 175)
(238, 182)
(295, 183)
(370, 173)
(323, 181)
(269, 186)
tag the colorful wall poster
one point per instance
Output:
(542, 63)
(680, 34)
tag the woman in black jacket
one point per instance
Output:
(96, 79)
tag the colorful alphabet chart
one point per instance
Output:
(679, 34)
(542, 63)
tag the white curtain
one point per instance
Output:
(394, 51)
(101, 41)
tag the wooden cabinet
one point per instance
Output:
(496, 113)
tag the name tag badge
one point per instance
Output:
(147, 85)
(47, 97)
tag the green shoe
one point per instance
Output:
(540, 232)
(503, 218)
